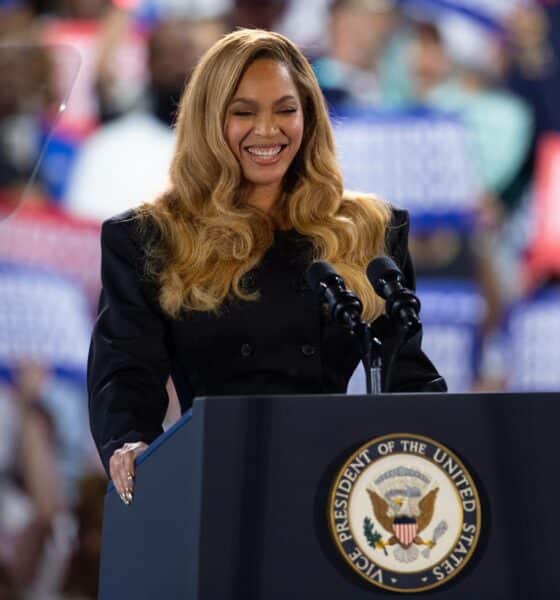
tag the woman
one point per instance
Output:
(207, 283)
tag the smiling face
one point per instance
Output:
(264, 126)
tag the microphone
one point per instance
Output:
(401, 303)
(344, 306)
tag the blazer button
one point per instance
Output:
(246, 350)
(308, 350)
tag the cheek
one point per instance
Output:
(296, 132)
(234, 133)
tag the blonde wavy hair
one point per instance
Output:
(207, 236)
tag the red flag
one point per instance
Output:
(543, 258)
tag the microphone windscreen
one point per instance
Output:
(318, 272)
(382, 267)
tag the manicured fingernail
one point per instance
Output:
(124, 499)
(129, 496)
(130, 475)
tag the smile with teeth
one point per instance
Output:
(265, 150)
(265, 153)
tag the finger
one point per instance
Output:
(130, 480)
(113, 471)
(119, 478)
(137, 449)
(127, 468)
(116, 478)
(131, 469)
(124, 498)
(123, 492)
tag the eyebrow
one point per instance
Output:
(253, 102)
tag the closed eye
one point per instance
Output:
(242, 113)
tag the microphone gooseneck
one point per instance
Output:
(344, 307)
(402, 304)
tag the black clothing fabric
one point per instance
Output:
(280, 344)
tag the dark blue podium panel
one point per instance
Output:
(232, 503)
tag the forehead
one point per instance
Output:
(266, 79)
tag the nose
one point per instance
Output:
(266, 125)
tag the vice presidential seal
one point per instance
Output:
(405, 513)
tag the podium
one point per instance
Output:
(231, 502)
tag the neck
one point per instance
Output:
(269, 200)
(264, 197)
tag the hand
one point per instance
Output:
(121, 467)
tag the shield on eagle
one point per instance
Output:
(405, 530)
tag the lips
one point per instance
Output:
(265, 150)
(265, 154)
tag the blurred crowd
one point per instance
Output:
(88, 94)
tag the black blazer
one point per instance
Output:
(280, 344)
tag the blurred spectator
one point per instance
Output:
(534, 61)
(82, 573)
(45, 316)
(66, 401)
(457, 66)
(113, 98)
(127, 161)
(364, 64)
(430, 64)
(43, 437)
(112, 95)
(36, 526)
(80, 42)
(27, 105)
(29, 478)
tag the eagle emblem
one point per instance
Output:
(403, 502)
(404, 513)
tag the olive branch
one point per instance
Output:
(374, 539)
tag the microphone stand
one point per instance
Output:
(371, 358)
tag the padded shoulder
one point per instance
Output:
(396, 243)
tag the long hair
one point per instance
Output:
(207, 236)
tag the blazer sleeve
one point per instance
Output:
(412, 370)
(128, 363)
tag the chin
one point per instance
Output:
(265, 179)
(265, 182)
